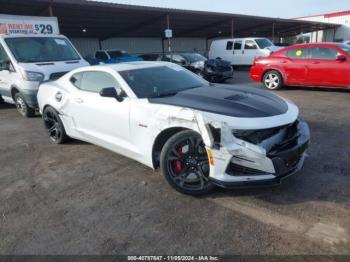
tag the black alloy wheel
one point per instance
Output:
(185, 164)
(54, 126)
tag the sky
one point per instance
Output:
(269, 8)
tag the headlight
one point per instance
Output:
(32, 76)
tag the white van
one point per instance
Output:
(241, 51)
(26, 60)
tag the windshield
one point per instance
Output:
(345, 48)
(263, 43)
(161, 81)
(41, 49)
(117, 54)
(194, 57)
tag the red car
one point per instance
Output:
(322, 64)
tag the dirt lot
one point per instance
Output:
(81, 199)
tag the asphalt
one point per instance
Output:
(78, 198)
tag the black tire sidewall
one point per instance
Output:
(64, 138)
(167, 147)
(29, 112)
(280, 85)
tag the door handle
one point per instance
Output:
(283, 61)
(243, 52)
(78, 100)
(315, 62)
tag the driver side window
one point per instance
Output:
(94, 81)
(324, 53)
(4, 59)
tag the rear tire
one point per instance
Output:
(22, 106)
(185, 165)
(54, 126)
(272, 80)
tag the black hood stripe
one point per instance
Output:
(230, 101)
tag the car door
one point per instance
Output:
(325, 70)
(249, 51)
(294, 65)
(100, 120)
(6, 74)
(238, 58)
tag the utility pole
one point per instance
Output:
(169, 38)
(232, 28)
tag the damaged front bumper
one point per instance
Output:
(242, 162)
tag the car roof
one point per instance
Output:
(30, 36)
(242, 38)
(316, 44)
(111, 50)
(324, 44)
(133, 65)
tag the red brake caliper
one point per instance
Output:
(178, 166)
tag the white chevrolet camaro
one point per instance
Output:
(162, 115)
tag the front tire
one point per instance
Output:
(54, 126)
(273, 80)
(185, 165)
(22, 106)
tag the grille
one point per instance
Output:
(237, 170)
(290, 140)
(257, 136)
(57, 75)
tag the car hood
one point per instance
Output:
(232, 101)
(48, 68)
(274, 48)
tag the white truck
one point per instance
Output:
(32, 51)
(241, 51)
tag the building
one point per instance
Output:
(94, 25)
(336, 34)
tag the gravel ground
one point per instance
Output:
(81, 199)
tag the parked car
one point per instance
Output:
(112, 57)
(281, 44)
(321, 64)
(213, 70)
(241, 51)
(199, 135)
(27, 60)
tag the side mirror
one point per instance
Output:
(5, 65)
(111, 92)
(341, 58)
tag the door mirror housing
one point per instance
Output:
(111, 92)
(5, 65)
(341, 58)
